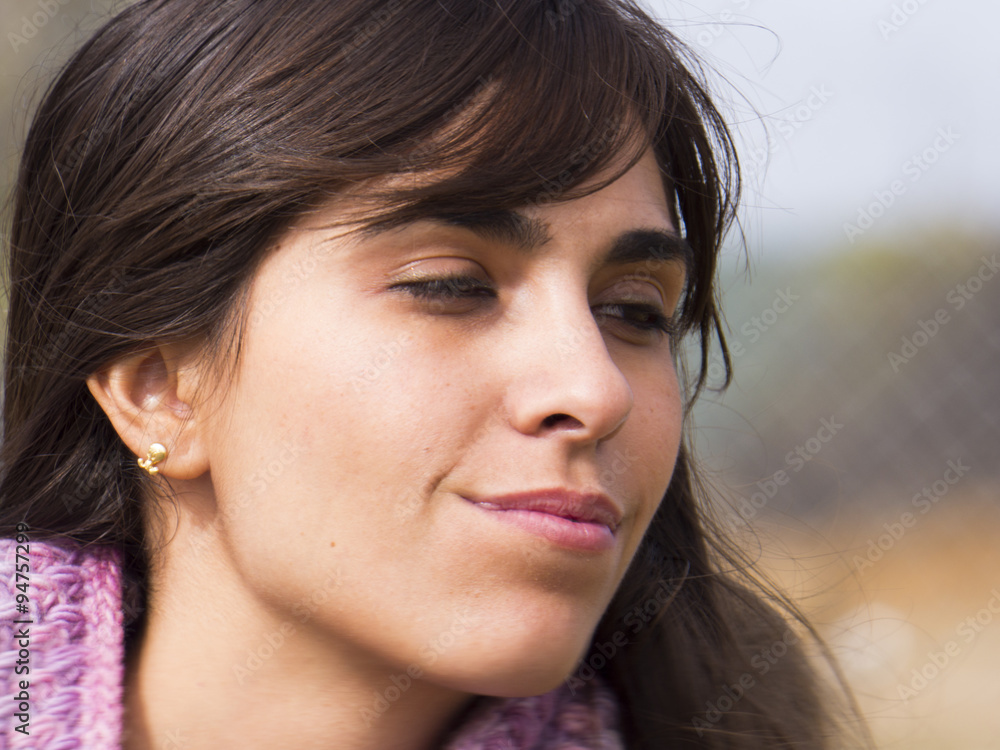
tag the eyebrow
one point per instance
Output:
(530, 234)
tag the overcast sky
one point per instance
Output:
(852, 91)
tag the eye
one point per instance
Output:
(447, 287)
(642, 316)
(449, 295)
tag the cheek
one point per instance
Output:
(655, 439)
(334, 432)
(658, 410)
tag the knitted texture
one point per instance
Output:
(557, 720)
(76, 646)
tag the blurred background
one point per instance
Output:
(858, 446)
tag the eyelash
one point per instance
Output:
(464, 287)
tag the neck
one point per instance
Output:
(210, 673)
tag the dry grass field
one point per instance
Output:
(917, 628)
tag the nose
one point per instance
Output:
(564, 378)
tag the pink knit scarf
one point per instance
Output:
(71, 641)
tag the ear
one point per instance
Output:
(148, 396)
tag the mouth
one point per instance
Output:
(585, 521)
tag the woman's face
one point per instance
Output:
(372, 417)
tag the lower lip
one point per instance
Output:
(579, 535)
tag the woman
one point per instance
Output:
(348, 334)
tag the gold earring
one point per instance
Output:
(154, 455)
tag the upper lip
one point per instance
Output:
(576, 505)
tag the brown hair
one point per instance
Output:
(184, 137)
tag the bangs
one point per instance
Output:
(229, 121)
(541, 106)
(514, 103)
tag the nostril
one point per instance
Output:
(554, 419)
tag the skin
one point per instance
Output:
(319, 523)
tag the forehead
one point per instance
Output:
(384, 202)
(622, 191)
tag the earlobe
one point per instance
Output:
(146, 397)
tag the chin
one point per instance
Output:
(521, 646)
(513, 672)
